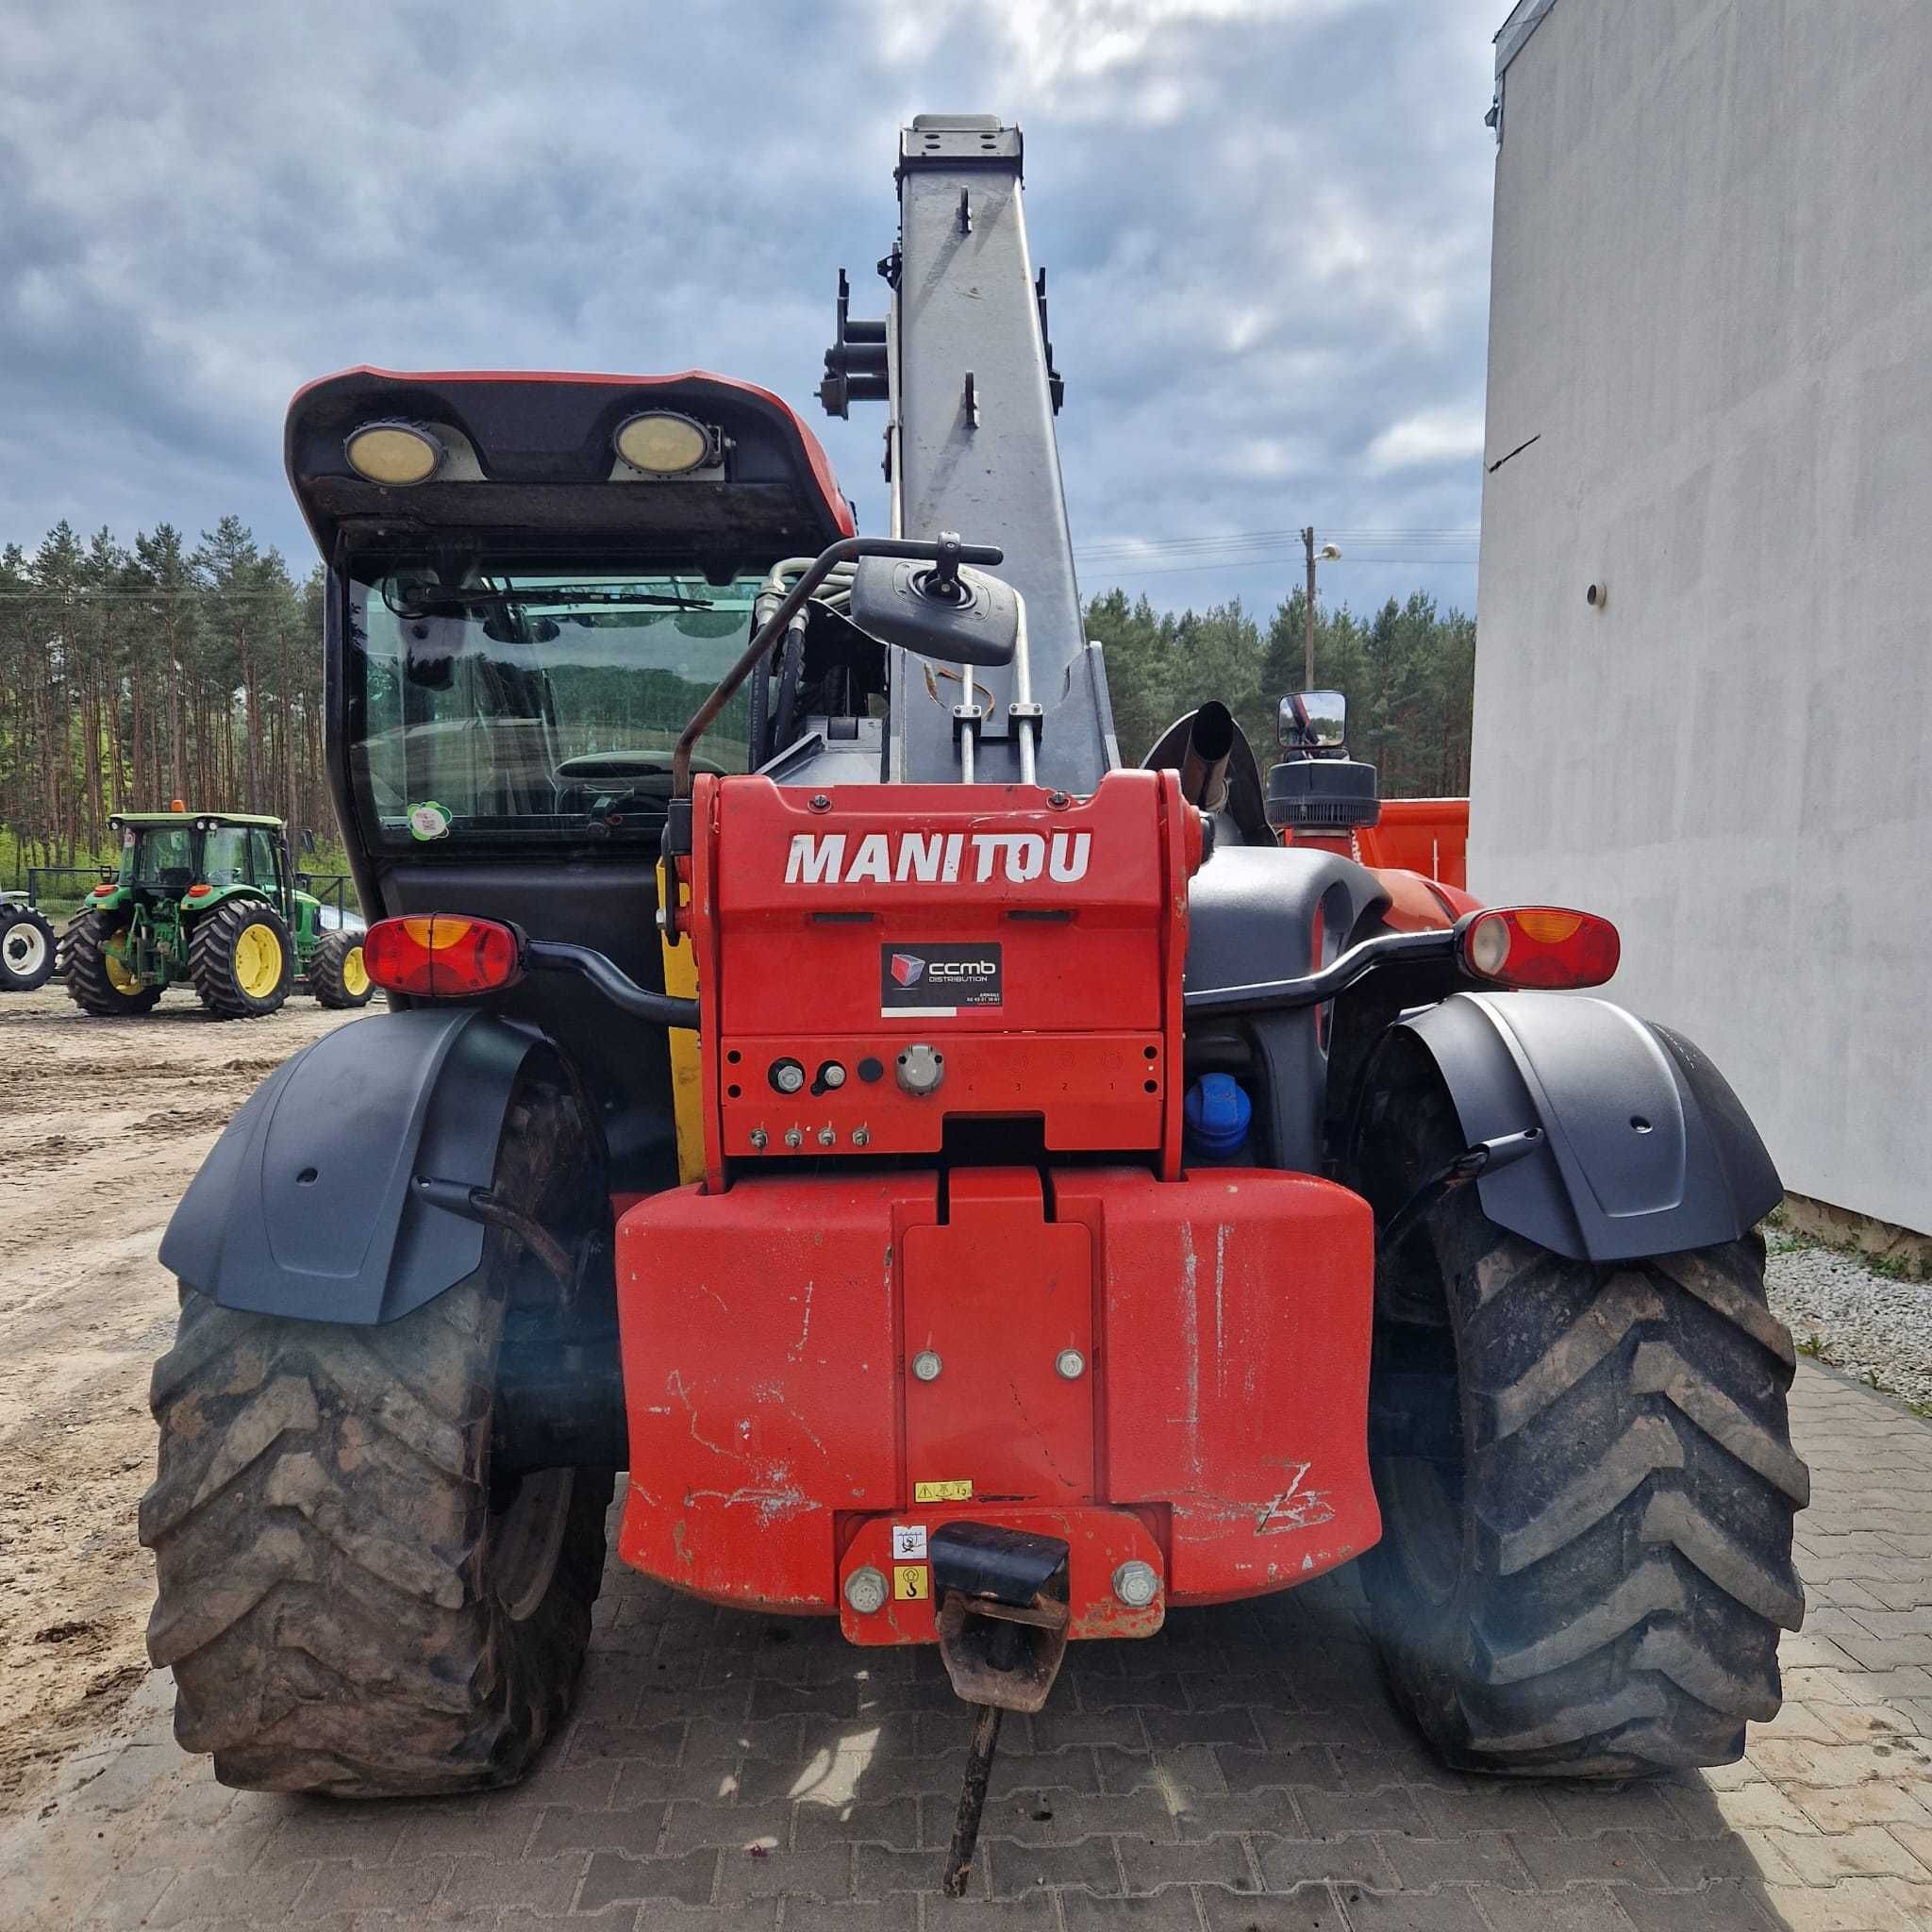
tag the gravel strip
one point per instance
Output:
(1845, 1315)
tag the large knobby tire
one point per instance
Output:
(336, 975)
(240, 958)
(96, 982)
(26, 949)
(1587, 1483)
(349, 1602)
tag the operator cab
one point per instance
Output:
(534, 581)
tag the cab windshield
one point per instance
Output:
(534, 705)
(224, 855)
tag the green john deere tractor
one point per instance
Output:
(208, 897)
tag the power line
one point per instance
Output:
(1202, 546)
(1105, 568)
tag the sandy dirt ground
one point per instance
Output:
(103, 1122)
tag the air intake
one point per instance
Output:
(1322, 795)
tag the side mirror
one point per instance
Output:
(967, 617)
(1313, 720)
(429, 652)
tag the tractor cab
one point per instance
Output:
(166, 856)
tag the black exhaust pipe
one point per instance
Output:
(1204, 765)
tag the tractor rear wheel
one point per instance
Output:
(239, 957)
(26, 949)
(351, 1601)
(96, 981)
(336, 975)
(1586, 1479)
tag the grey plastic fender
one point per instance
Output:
(1644, 1150)
(311, 1202)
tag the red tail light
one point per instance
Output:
(442, 957)
(1540, 946)
(101, 890)
(198, 892)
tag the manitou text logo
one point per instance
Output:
(943, 859)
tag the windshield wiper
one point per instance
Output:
(549, 596)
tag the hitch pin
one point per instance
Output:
(1009, 1665)
(986, 1738)
(1002, 1627)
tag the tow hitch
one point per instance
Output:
(1002, 1623)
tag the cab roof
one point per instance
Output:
(195, 818)
(532, 458)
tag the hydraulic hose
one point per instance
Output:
(760, 703)
(792, 669)
(835, 590)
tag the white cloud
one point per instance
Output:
(1435, 436)
(1265, 224)
(1051, 46)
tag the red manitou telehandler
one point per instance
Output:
(971, 1185)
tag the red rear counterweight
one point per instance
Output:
(837, 1342)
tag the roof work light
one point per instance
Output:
(662, 444)
(398, 454)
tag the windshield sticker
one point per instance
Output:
(428, 820)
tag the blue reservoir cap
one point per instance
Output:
(1216, 1113)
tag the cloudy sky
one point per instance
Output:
(1265, 222)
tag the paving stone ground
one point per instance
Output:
(1241, 1773)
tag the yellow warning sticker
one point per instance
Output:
(943, 1492)
(909, 1581)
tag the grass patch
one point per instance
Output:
(1782, 1237)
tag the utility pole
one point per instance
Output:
(1309, 614)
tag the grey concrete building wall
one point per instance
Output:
(1712, 307)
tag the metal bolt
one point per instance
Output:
(925, 1365)
(787, 1076)
(865, 1591)
(1058, 800)
(828, 1136)
(1069, 1363)
(793, 1138)
(831, 1074)
(819, 802)
(1136, 1584)
(760, 1140)
(862, 1137)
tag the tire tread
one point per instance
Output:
(319, 1523)
(211, 957)
(83, 969)
(1630, 1487)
